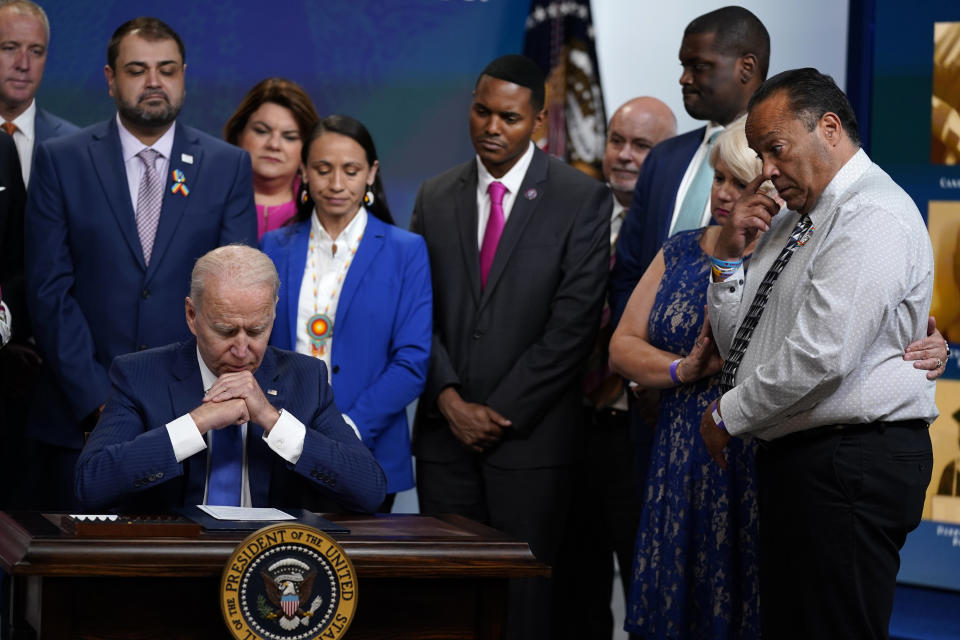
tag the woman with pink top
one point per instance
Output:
(271, 124)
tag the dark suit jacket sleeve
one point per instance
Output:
(239, 211)
(647, 223)
(442, 373)
(545, 369)
(124, 456)
(335, 459)
(405, 374)
(637, 232)
(60, 327)
(13, 199)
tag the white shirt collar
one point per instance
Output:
(209, 377)
(26, 121)
(131, 146)
(849, 173)
(618, 209)
(350, 235)
(712, 128)
(512, 179)
(616, 219)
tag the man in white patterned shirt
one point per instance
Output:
(844, 456)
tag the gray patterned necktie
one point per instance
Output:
(800, 235)
(149, 201)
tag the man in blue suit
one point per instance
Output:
(197, 422)
(116, 216)
(25, 34)
(724, 54)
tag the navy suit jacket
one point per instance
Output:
(129, 461)
(46, 126)
(647, 223)
(519, 344)
(382, 332)
(90, 294)
(13, 200)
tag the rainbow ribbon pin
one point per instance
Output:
(180, 185)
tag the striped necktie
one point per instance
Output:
(149, 202)
(728, 375)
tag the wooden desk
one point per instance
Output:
(419, 578)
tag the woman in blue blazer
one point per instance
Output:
(355, 291)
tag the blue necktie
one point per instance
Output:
(690, 215)
(226, 467)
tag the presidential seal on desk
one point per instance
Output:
(288, 581)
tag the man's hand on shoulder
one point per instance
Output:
(217, 415)
(242, 385)
(476, 425)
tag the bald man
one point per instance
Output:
(615, 456)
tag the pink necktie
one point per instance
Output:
(491, 236)
(149, 202)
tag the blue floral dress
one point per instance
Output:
(695, 567)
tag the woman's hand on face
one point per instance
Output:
(704, 359)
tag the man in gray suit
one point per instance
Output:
(519, 249)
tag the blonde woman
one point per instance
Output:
(695, 570)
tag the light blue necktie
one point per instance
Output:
(691, 212)
(226, 467)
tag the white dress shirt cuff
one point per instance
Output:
(185, 437)
(723, 299)
(353, 425)
(286, 437)
(733, 418)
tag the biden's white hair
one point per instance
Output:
(236, 265)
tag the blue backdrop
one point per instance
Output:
(901, 73)
(405, 68)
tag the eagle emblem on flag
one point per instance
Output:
(289, 585)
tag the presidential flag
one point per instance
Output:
(559, 37)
